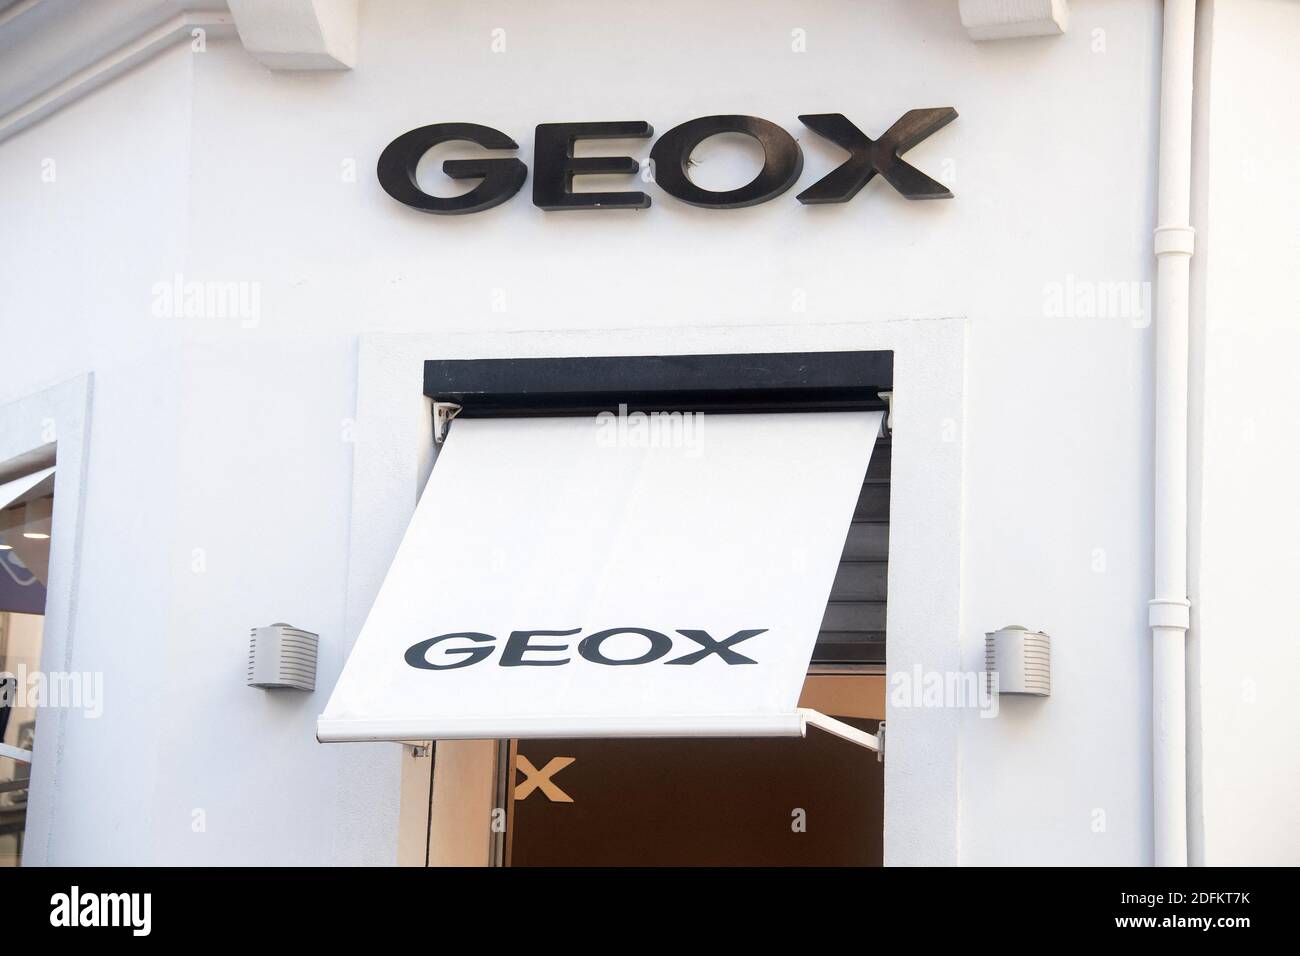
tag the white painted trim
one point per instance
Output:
(81, 80)
(68, 50)
(57, 418)
(1012, 19)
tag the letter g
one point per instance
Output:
(416, 653)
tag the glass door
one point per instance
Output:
(24, 569)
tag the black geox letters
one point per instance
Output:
(782, 161)
(501, 177)
(521, 650)
(556, 166)
(866, 158)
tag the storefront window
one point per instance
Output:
(24, 571)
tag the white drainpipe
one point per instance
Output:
(1169, 610)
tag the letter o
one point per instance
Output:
(782, 161)
(660, 644)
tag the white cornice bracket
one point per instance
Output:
(1010, 19)
(298, 34)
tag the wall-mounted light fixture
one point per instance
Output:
(281, 655)
(1020, 659)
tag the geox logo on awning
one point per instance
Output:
(533, 649)
(556, 165)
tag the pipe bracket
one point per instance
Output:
(1175, 240)
(1170, 612)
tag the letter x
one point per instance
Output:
(867, 157)
(535, 779)
(706, 641)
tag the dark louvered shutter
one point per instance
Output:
(853, 630)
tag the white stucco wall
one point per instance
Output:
(208, 435)
(1245, 764)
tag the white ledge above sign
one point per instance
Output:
(298, 34)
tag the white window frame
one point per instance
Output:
(52, 422)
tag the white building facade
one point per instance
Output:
(215, 325)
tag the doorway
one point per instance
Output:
(815, 801)
(26, 510)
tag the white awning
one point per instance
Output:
(579, 577)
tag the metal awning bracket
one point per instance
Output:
(15, 753)
(847, 732)
(888, 396)
(443, 413)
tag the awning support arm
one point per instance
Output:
(15, 753)
(847, 732)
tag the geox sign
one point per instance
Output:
(556, 166)
(540, 649)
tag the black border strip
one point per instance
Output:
(746, 382)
